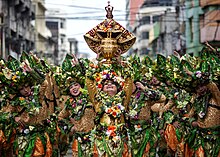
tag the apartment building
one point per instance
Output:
(15, 27)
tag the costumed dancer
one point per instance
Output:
(78, 112)
(143, 134)
(205, 112)
(110, 85)
(29, 110)
(175, 108)
(108, 97)
(7, 130)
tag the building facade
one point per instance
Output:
(16, 29)
(149, 13)
(193, 14)
(132, 10)
(210, 22)
(202, 24)
(44, 45)
(164, 35)
(57, 26)
(73, 49)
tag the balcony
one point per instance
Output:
(210, 30)
(204, 3)
(210, 33)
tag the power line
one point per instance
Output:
(101, 18)
(76, 6)
(171, 34)
(98, 17)
(132, 8)
(75, 13)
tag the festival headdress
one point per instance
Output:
(71, 73)
(159, 68)
(109, 39)
(16, 77)
(35, 63)
(211, 61)
(109, 75)
(147, 71)
(12, 63)
(137, 67)
(189, 72)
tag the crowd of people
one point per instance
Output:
(113, 107)
(169, 106)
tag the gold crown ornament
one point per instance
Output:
(109, 39)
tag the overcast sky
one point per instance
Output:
(83, 15)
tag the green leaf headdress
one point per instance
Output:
(71, 73)
(12, 63)
(198, 73)
(146, 70)
(35, 63)
(16, 77)
(27, 58)
(67, 65)
(159, 69)
(147, 61)
(136, 66)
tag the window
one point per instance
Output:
(150, 3)
(145, 35)
(61, 25)
(191, 28)
(145, 20)
(165, 3)
(156, 18)
(52, 25)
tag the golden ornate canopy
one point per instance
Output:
(109, 39)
